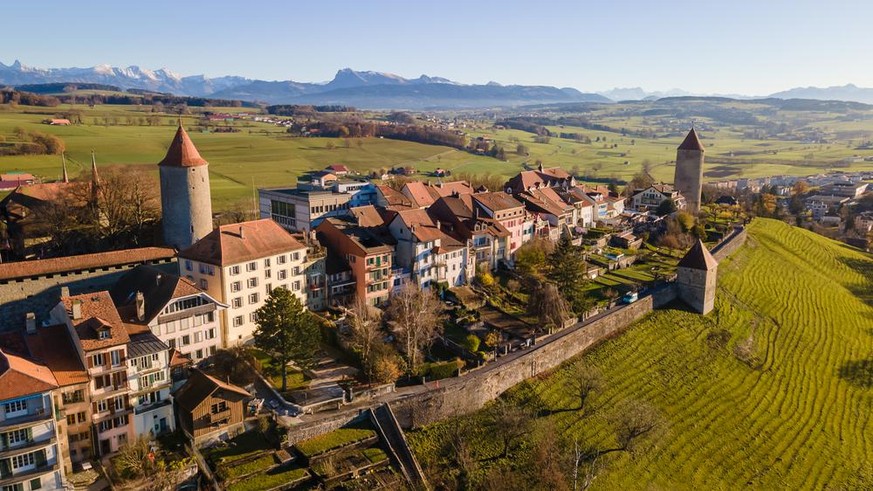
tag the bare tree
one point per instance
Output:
(128, 200)
(414, 317)
(366, 333)
(585, 467)
(547, 303)
(634, 420)
(583, 381)
(510, 422)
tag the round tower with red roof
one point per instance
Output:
(688, 178)
(186, 202)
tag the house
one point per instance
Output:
(101, 341)
(181, 315)
(507, 211)
(338, 169)
(302, 208)
(390, 198)
(486, 239)
(650, 198)
(626, 240)
(239, 265)
(210, 410)
(819, 205)
(368, 252)
(864, 222)
(29, 456)
(53, 347)
(554, 177)
(431, 255)
(57, 122)
(845, 189)
(422, 195)
(14, 179)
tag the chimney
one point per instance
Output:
(140, 306)
(77, 310)
(439, 225)
(242, 234)
(30, 323)
(65, 291)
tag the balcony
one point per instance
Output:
(151, 407)
(106, 370)
(8, 478)
(218, 417)
(110, 389)
(39, 414)
(25, 446)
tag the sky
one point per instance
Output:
(725, 47)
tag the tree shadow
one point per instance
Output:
(858, 373)
(865, 290)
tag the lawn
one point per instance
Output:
(333, 440)
(295, 379)
(795, 415)
(240, 447)
(269, 480)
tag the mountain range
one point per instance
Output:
(368, 89)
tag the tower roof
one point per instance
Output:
(182, 152)
(698, 257)
(692, 142)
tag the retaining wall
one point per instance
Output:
(730, 245)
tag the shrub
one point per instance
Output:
(471, 343)
(269, 480)
(437, 371)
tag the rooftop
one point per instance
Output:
(691, 142)
(241, 242)
(698, 257)
(20, 377)
(41, 267)
(158, 289)
(98, 314)
(182, 152)
(52, 346)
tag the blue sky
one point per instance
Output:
(747, 47)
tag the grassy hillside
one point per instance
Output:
(795, 415)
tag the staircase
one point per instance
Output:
(389, 429)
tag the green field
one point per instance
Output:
(261, 154)
(797, 415)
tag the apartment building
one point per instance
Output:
(431, 255)
(239, 265)
(505, 210)
(181, 315)
(29, 456)
(149, 382)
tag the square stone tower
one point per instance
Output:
(688, 178)
(696, 278)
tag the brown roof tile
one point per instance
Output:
(698, 257)
(497, 201)
(98, 313)
(40, 267)
(20, 377)
(224, 245)
(52, 346)
(367, 216)
(182, 152)
(691, 142)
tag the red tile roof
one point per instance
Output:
(419, 193)
(367, 216)
(698, 257)
(40, 267)
(52, 346)
(182, 152)
(393, 196)
(497, 201)
(691, 142)
(240, 242)
(20, 377)
(98, 313)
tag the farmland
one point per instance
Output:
(628, 137)
(792, 413)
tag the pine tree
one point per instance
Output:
(567, 270)
(287, 331)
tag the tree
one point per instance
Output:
(509, 422)
(287, 331)
(685, 220)
(520, 149)
(584, 380)
(530, 258)
(128, 202)
(633, 420)
(235, 363)
(366, 333)
(567, 269)
(666, 207)
(414, 316)
(547, 303)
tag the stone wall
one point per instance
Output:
(730, 244)
(471, 392)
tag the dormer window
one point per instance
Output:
(104, 334)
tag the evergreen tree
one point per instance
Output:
(567, 270)
(287, 331)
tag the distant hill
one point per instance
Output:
(848, 92)
(365, 89)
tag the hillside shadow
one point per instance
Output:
(858, 373)
(865, 268)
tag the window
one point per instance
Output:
(104, 334)
(209, 317)
(237, 321)
(102, 406)
(234, 270)
(35, 484)
(116, 357)
(20, 436)
(24, 460)
(80, 418)
(252, 283)
(296, 270)
(185, 323)
(15, 407)
(119, 403)
(71, 419)
(253, 298)
(204, 285)
(295, 256)
(186, 340)
(266, 262)
(235, 286)
(269, 288)
(198, 354)
(268, 273)
(198, 336)
(253, 317)
(219, 407)
(281, 259)
(237, 302)
(252, 266)
(282, 274)
(210, 334)
(296, 286)
(188, 266)
(171, 343)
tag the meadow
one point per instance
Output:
(792, 414)
(261, 154)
